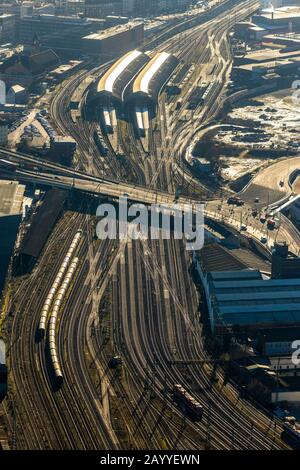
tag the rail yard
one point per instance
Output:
(108, 341)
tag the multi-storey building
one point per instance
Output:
(7, 28)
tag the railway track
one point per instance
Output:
(153, 317)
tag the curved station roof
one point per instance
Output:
(154, 76)
(115, 81)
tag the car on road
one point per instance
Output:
(256, 200)
(243, 228)
(234, 200)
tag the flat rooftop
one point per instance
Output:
(246, 298)
(268, 65)
(281, 13)
(269, 55)
(6, 15)
(107, 33)
(11, 197)
(288, 37)
(215, 257)
(66, 67)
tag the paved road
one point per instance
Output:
(266, 184)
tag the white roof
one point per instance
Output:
(161, 58)
(117, 71)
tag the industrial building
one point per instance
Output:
(290, 41)
(285, 265)
(249, 32)
(11, 200)
(279, 19)
(276, 341)
(114, 41)
(113, 84)
(256, 74)
(247, 299)
(41, 226)
(262, 56)
(63, 71)
(62, 150)
(149, 83)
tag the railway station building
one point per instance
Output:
(149, 83)
(113, 85)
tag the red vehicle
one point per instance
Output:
(187, 402)
(271, 224)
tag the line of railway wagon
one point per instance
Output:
(57, 283)
(54, 315)
(54, 300)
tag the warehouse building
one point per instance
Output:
(266, 55)
(279, 19)
(256, 74)
(249, 32)
(40, 228)
(11, 200)
(291, 41)
(62, 150)
(245, 299)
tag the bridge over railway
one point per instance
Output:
(32, 170)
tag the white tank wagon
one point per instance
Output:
(61, 296)
(57, 282)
